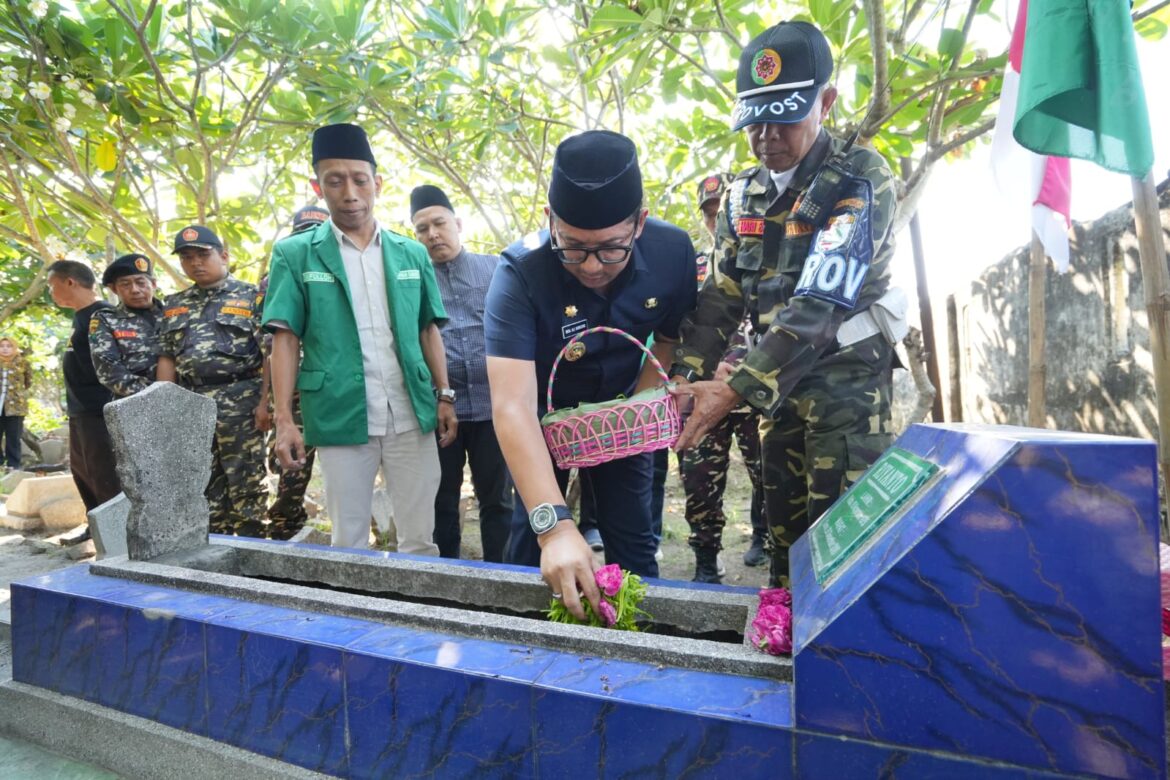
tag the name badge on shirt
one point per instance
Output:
(573, 328)
(750, 226)
(409, 273)
(318, 276)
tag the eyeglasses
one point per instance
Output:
(606, 255)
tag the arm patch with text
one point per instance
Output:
(840, 253)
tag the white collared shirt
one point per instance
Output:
(388, 406)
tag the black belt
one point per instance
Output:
(213, 381)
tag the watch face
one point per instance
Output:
(542, 519)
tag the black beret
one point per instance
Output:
(427, 195)
(780, 71)
(596, 182)
(342, 142)
(127, 265)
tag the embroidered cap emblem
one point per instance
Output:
(765, 67)
(190, 234)
(141, 265)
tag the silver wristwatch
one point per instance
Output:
(545, 517)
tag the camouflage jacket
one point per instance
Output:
(124, 346)
(15, 381)
(763, 264)
(215, 339)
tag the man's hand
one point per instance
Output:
(263, 416)
(711, 403)
(290, 446)
(448, 423)
(566, 564)
(723, 370)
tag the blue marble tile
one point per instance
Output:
(965, 458)
(151, 664)
(53, 643)
(759, 700)
(410, 720)
(580, 736)
(277, 697)
(499, 660)
(300, 625)
(818, 757)
(1020, 623)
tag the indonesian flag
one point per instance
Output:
(1018, 170)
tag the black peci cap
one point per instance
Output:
(198, 237)
(596, 181)
(427, 195)
(342, 142)
(779, 74)
(127, 265)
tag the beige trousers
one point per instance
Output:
(410, 466)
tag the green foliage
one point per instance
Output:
(625, 604)
(123, 120)
(42, 418)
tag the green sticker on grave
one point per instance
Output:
(887, 485)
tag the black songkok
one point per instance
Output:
(342, 142)
(596, 182)
(427, 195)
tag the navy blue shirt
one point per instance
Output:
(534, 306)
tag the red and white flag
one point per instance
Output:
(1018, 170)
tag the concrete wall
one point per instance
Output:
(1099, 366)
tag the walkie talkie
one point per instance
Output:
(825, 190)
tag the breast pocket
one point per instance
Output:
(234, 335)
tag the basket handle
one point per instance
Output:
(599, 329)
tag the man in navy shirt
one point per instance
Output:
(600, 262)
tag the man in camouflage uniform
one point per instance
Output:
(704, 468)
(287, 514)
(816, 290)
(212, 345)
(123, 340)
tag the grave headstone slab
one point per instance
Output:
(63, 514)
(162, 443)
(107, 523)
(33, 493)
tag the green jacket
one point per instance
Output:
(309, 291)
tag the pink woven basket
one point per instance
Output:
(600, 432)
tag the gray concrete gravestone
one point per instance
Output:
(162, 442)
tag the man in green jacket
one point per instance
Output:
(364, 305)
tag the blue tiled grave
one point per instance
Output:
(1003, 624)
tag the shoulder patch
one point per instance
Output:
(93, 325)
(841, 251)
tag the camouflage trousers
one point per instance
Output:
(704, 477)
(834, 424)
(287, 514)
(236, 493)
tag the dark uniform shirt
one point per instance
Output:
(761, 255)
(535, 306)
(124, 345)
(215, 339)
(84, 393)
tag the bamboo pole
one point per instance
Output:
(956, 364)
(1156, 282)
(1037, 366)
(925, 312)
